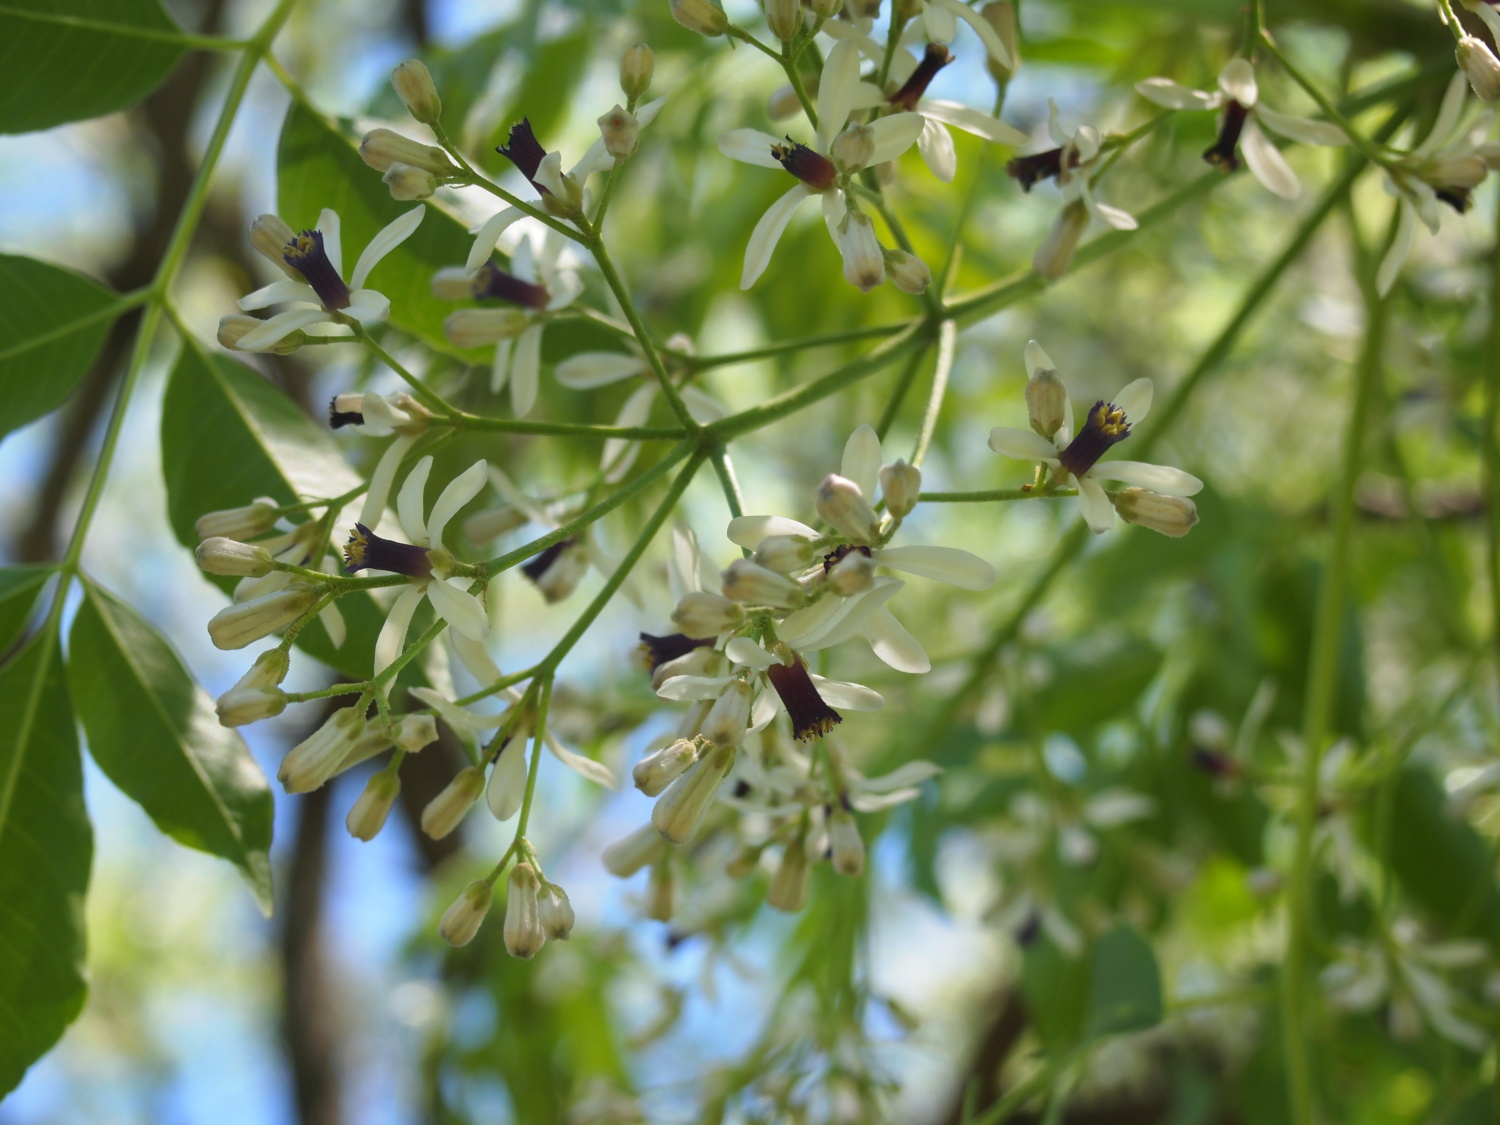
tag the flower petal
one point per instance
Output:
(279, 292)
(459, 608)
(938, 23)
(935, 144)
(587, 370)
(1134, 398)
(836, 89)
(410, 502)
(500, 365)
(487, 235)
(1267, 164)
(1095, 506)
(765, 708)
(525, 370)
(373, 509)
(851, 697)
(748, 531)
(1168, 94)
(476, 658)
(848, 618)
(861, 462)
(1395, 258)
(278, 328)
(680, 688)
(987, 34)
(390, 237)
(767, 234)
(328, 226)
(895, 134)
(454, 715)
(393, 633)
(893, 644)
(461, 489)
(942, 564)
(742, 650)
(1237, 79)
(596, 772)
(507, 784)
(1023, 445)
(704, 408)
(368, 306)
(619, 454)
(1300, 129)
(563, 288)
(1158, 478)
(750, 146)
(973, 121)
(1037, 359)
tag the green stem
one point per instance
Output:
(544, 699)
(1022, 1092)
(996, 495)
(947, 344)
(429, 397)
(728, 359)
(567, 429)
(724, 469)
(1490, 445)
(898, 393)
(1331, 111)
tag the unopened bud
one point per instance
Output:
(854, 148)
(523, 924)
(383, 147)
(636, 67)
(1002, 17)
(1053, 256)
(1170, 515)
(322, 754)
(657, 770)
(864, 261)
(701, 614)
(788, 890)
(271, 236)
(242, 624)
(680, 811)
(475, 328)
(784, 553)
(784, 18)
(907, 272)
(729, 718)
(659, 894)
(555, 912)
(367, 816)
(233, 328)
(625, 857)
(414, 86)
(1481, 66)
(239, 707)
(901, 485)
(620, 131)
(852, 574)
(846, 844)
(841, 503)
(1046, 396)
(408, 183)
(237, 523)
(230, 557)
(445, 811)
(415, 732)
(827, 9)
(748, 582)
(269, 669)
(703, 16)
(462, 920)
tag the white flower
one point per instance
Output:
(938, 23)
(1243, 117)
(321, 294)
(838, 94)
(423, 560)
(1078, 457)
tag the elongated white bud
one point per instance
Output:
(679, 812)
(701, 614)
(270, 235)
(1002, 17)
(367, 815)
(408, 183)
(321, 754)
(1481, 67)
(474, 328)
(462, 920)
(852, 574)
(730, 716)
(749, 582)
(657, 770)
(1046, 402)
(523, 924)
(788, 890)
(784, 18)
(864, 262)
(907, 272)
(414, 86)
(237, 523)
(555, 912)
(626, 856)
(845, 842)
(703, 16)
(243, 624)
(413, 732)
(219, 555)
(239, 707)
(383, 147)
(784, 553)
(269, 670)
(637, 65)
(901, 485)
(1054, 255)
(841, 504)
(854, 147)
(233, 328)
(1170, 515)
(445, 811)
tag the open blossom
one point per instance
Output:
(315, 286)
(819, 168)
(1240, 132)
(423, 560)
(1078, 457)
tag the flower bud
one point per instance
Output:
(453, 283)
(233, 328)
(729, 717)
(367, 816)
(239, 707)
(854, 148)
(1481, 66)
(1002, 17)
(680, 811)
(620, 131)
(474, 328)
(1046, 402)
(462, 920)
(743, 862)
(523, 924)
(636, 67)
(1170, 515)
(784, 18)
(788, 890)
(383, 147)
(852, 574)
(749, 582)
(1056, 252)
(237, 523)
(657, 770)
(445, 811)
(416, 732)
(659, 894)
(841, 504)
(625, 857)
(408, 183)
(414, 86)
(864, 263)
(901, 485)
(271, 235)
(269, 670)
(555, 912)
(784, 554)
(703, 16)
(907, 272)
(827, 9)
(492, 523)
(321, 754)
(845, 842)
(243, 624)
(218, 555)
(701, 614)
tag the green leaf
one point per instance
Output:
(154, 733)
(46, 843)
(1441, 861)
(318, 167)
(19, 586)
(1096, 683)
(1124, 984)
(52, 322)
(66, 60)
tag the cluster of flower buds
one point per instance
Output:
(412, 170)
(536, 910)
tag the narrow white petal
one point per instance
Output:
(836, 89)
(549, 174)
(938, 23)
(507, 784)
(381, 479)
(851, 697)
(854, 614)
(1237, 79)
(410, 502)
(748, 531)
(902, 777)
(476, 658)
(393, 633)
(935, 144)
(500, 365)
(1267, 164)
(517, 499)
(525, 370)
(1037, 359)
(861, 462)
(459, 608)
(563, 288)
(973, 121)
(1095, 507)
(619, 454)
(390, 237)
(704, 408)
(587, 370)
(804, 627)
(765, 708)
(1111, 216)
(333, 624)
(1301, 129)
(368, 306)
(1158, 478)
(686, 571)
(834, 209)
(1023, 445)
(1395, 258)
(867, 96)
(750, 146)
(454, 715)
(1448, 115)
(488, 235)
(646, 114)
(1168, 94)
(876, 802)
(1134, 398)
(895, 134)
(596, 158)
(596, 772)
(328, 225)
(742, 650)
(1110, 808)
(461, 489)
(942, 564)
(893, 644)
(279, 292)
(767, 234)
(278, 328)
(680, 688)
(987, 34)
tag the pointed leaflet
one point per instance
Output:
(153, 731)
(19, 586)
(46, 843)
(1124, 984)
(66, 60)
(52, 322)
